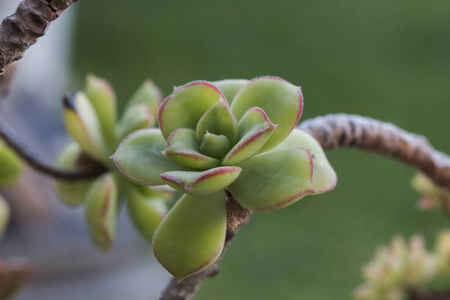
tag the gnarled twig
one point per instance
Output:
(341, 130)
(20, 30)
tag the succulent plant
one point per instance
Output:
(91, 120)
(11, 165)
(403, 266)
(233, 135)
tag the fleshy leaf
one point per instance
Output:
(140, 158)
(183, 148)
(102, 97)
(230, 87)
(201, 183)
(11, 166)
(4, 215)
(324, 176)
(191, 237)
(282, 101)
(72, 192)
(218, 120)
(101, 211)
(273, 180)
(136, 117)
(255, 129)
(215, 145)
(149, 94)
(146, 209)
(83, 125)
(186, 105)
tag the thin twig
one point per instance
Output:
(20, 30)
(415, 294)
(13, 141)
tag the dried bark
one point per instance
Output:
(30, 21)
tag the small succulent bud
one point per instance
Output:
(101, 211)
(11, 165)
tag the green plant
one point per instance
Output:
(234, 136)
(91, 120)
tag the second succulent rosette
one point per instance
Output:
(233, 135)
(91, 120)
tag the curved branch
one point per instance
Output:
(20, 30)
(10, 138)
(341, 130)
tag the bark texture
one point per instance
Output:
(20, 30)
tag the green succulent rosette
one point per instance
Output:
(234, 135)
(91, 120)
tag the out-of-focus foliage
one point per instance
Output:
(388, 60)
(11, 166)
(91, 120)
(405, 266)
(432, 196)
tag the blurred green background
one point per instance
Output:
(389, 60)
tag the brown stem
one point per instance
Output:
(341, 130)
(20, 30)
(10, 138)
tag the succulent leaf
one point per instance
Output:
(83, 125)
(71, 193)
(255, 129)
(146, 209)
(282, 101)
(218, 120)
(101, 211)
(183, 148)
(4, 215)
(180, 111)
(140, 158)
(230, 87)
(201, 183)
(215, 145)
(102, 97)
(149, 94)
(136, 117)
(324, 176)
(11, 165)
(192, 235)
(274, 180)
